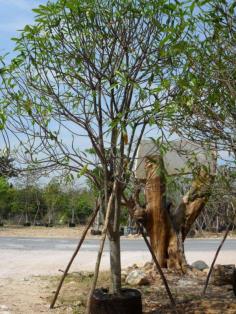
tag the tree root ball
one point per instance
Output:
(127, 302)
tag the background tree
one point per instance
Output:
(220, 210)
(4, 198)
(52, 197)
(7, 170)
(76, 204)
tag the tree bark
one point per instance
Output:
(115, 264)
(156, 213)
(168, 230)
(114, 241)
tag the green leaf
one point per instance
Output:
(83, 171)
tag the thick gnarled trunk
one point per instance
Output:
(157, 215)
(168, 230)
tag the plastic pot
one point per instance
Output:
(129, 301)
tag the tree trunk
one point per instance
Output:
(168, 230)
(165, 239)
(114, 241)
(158, 225)
(115, 263)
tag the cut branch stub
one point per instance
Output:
(193, 201)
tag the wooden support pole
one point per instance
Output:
(172, 301)
(74, 255)
(104, 233)
(213, 262)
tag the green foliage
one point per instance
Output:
(53, 201)
(4, 186)
(5, 192)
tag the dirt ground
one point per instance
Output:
(25, 295)
(65, 232)
(28, 294)
(42, 232)
(34, 294)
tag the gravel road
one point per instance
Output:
(45, 256)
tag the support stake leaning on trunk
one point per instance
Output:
(74, 255)
(213, 262)
(104, 233)
(172, 301)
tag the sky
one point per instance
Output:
(14, 15)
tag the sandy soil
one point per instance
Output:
(24, 295)
(65, 232)
(43, 232)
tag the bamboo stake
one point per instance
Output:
(172, 301)
(104, 233)
(74, 255)
(213, 262)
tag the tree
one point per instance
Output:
(77, 203)
(4, 197)
(220, 210)
(7, 170)
(52, 196)
(95, 70)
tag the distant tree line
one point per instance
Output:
(29, 203)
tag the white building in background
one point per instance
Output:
(178, 157)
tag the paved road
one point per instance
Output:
(23, 257)
(52, 244)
